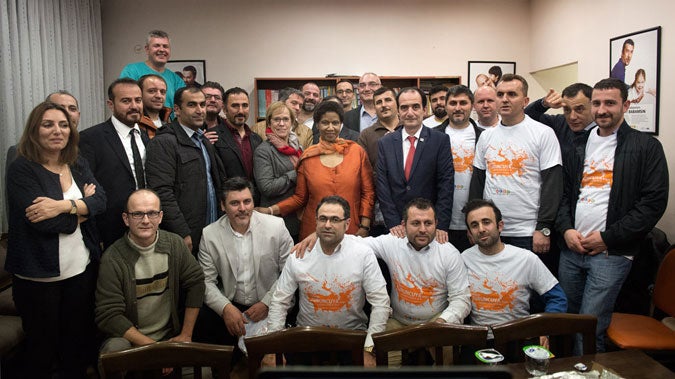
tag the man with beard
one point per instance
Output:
(214, 94)
(344, 90)
(115, 150)
(463, 135)
(236, 142)
(619, 69)
(312, 98)
(155, 114)
(437, 95)
(485, 105)
(182, 167)
(364, 115)
(496, 267)
(242, 255)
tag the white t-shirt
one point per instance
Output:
(513, 158)
(333, 290)
(463, 145)
(596, 183)
(431, 122)
(425, 284)
(500, 284)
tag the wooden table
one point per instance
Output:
(627, 363)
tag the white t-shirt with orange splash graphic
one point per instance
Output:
(425, 284)
(596, 183)
(333, 290)
(513, 158)
(500, 284)
(463, 145)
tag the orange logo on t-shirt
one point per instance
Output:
(334, 300)
(493, 295)
(512, 162)
(599, 175)
(463, 161)
(413, 294)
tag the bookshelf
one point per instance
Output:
(266, 90)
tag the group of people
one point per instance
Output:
(146, 225)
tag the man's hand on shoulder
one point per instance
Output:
(304, 246)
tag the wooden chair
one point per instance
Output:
(428, 335)
(629, 331)
(169, 354)
(561, 328)
(305, 339)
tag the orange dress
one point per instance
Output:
(352, 179)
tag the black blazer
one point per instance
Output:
(102, 148)
(230, 154)
(353, 119)
(432, 176)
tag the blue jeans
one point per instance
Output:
(592, 284)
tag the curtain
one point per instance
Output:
(45, 46)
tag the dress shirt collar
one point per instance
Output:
(122, 129)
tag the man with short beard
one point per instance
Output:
(115, 150)
(214, 94)
(155, 114)
(312, 98)
(364, 115)
(437, 95)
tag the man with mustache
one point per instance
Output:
(312, 98)
(158, 50)
(236, 142)
(115, 150)
(616, 190)
(184, 170)
(463, 135)
(437, 95)
(242, 255)
(364, 115)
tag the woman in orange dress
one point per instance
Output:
(334, 166)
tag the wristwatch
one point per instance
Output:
(546, 232)
(73, 207)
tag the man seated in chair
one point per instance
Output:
(502, 276)
(334, 280)
(140, 277)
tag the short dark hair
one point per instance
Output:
(236, 183)
(412, 89)
(325, 107)
(573, 89)
(474, 204)
(331, 98)
(627, 42)
(233, 91)
(512, 77)
(459, 90)
(345, 81)
(126, 205)
(419, 203)
(178, 97)
(63, 92)
(335, 199)
(192, 69)
(496, 71)
(126, 80)
(215, 85)
(382, 90)
(285, 93)
(437, 88)
(611, 83)
(143, 78)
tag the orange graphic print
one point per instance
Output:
(512, 162)
(463, 159)
(333, 299)
(599, 174)
(493, 295)
(413, 293)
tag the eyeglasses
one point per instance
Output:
(278, 120)
(140, 215)
(344, 92)
(214, 97)
(333, 220)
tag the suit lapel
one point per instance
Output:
(227, 241)
(398, 154)
(228, 138)
(419, 149)
(113, 139)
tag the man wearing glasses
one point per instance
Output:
(344, 91)
(141, 274)
(364, 116)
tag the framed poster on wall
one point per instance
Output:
(488, 72)
(192, 71)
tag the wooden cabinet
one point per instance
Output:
(266, 90)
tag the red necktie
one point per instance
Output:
(410, 157)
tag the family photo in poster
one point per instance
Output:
(635, 60)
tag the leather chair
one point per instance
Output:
(306, 339)
(156, 356)
(416, 338)
(630, 331)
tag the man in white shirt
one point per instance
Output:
(242, 255)
(335, 279)
(437, 96)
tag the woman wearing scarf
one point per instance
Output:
(334, 166)
(275, 161)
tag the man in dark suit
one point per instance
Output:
(236, 142)
(115, 150)
(414, 161)
(364, 115)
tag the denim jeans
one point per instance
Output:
(592, 284)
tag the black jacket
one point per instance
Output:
(639, 192)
